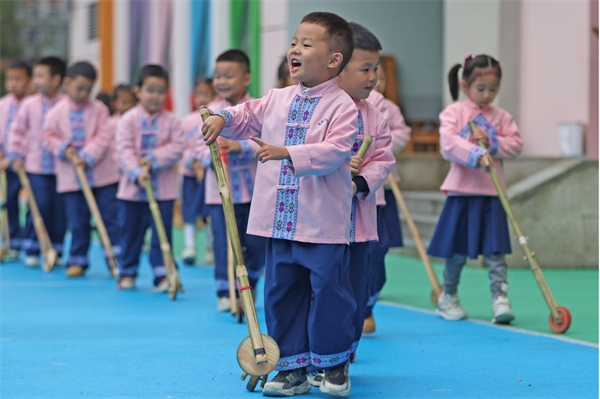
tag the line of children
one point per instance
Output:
(17, 84)
(473, 221)
(26, 152)
(77, 131)
(192, 195)
(150, 141)
(303, 205)
(231, 79)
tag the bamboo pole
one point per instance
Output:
(5, 230)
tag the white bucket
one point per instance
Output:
(570, 135)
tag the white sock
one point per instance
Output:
(189, 233)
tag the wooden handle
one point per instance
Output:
(5, 229)
(234, 238)
(38, 222)
(535, 267)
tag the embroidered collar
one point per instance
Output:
(318, 90)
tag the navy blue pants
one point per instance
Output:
(309, 303)
(253, 247)
(360, 276)
(192, 199)
(13, 185)
(78, 214)
(52, 209)
(134, 220)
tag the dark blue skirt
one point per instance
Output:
(389, 216)
(471, 226)
(192, 202)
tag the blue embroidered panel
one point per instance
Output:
(480, 121)
(293, 362)
(286, 211)
(78, 139)
(354, 151)
(239, 168)
(47, 156)
(11, 114)
(149, 127)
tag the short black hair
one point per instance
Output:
(339, 34)
(152, 70)
(20, 64)
(123, 87)
(82, 68)
(203, 81)
(56, 65)
(284, 70)
(364, 39)
(238, 56)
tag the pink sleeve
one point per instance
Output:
(400, 131)
(377, 167)
(510, 143)
(322, 158)
(244, 120)
(95, 149)
(52, 138)
(203, 153)
(16, 135)
(167, 155)
(453, 147)
(125, 139)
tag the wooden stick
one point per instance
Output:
(230, 259)
(364, 147)
(50, 254)
(240, 267)
(5, 230)
(433, 280)
(95, 211)
(529, 256)
(165, 247)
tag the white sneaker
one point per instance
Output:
(13, 254)
(209, 256)
(503, 313)
(127, 283)
(288, 383)
(449, 307)
(224, 304)
(162, 286)
(189, 255)
(337, 381)
(32, 261)
(315, 377)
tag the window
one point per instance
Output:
(93, 21)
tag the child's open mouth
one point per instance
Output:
(295, 65)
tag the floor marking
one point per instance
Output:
(489, 324)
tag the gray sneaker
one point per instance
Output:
(503, 313)
(288, 383)
(449, 307)
(315, 377)
(337, 381)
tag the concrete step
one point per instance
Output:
(424, 202)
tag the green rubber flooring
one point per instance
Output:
(575, 289)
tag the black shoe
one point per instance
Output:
(337, 380)
(288, 383)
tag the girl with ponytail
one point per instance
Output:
(473, 221)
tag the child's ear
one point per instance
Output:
(464, 85)
(247, 79)
(136, 90)
(57, 80)
(335, 60)
(66, 81)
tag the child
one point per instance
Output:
(123, 99)
(149, 142)
(358, 79)
(192, 201)
(16, 82)
(232, 77)
(284, 79)
(473, 221)
(302, 204)
(26, 152)
(388, 220)
(77, 132)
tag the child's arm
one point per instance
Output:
(15, 150)
(510, 143)
(126, 148)
(453, 147)
(96, 148)
(380, 162)
(167, 155)
(400, 131)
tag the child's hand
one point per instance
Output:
(481, 135)
(71, 155)
(356, 164)
(198, 170)
(354, 189)
(145, 164)
(18, 165)
(143, 178)
(212, 128)
(226, 146)
(268, 152)
(3, 163)
(485, 160)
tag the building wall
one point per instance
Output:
(411, 31)
(274, 41)
(81, 48)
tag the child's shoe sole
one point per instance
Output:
(75, 271)
(276, 389)
(446, 316)
(504, 318)
(335, 390)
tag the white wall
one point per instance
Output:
(274, 41)
(80, 47)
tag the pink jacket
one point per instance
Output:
(398, 127)
(86, 128)
(457, 146)
(377, 164)
(307, 199)
(191, 128)
(9, 107)
(159, 138)
(113, 121)
(242, 166)
(25, 135)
